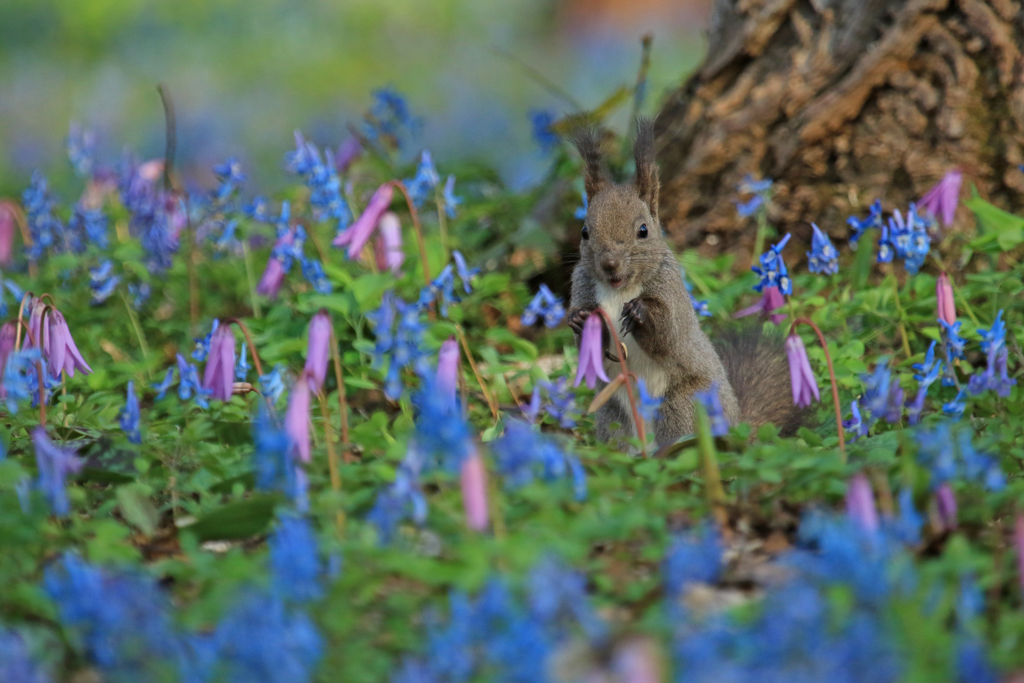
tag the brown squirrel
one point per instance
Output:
(627, 268)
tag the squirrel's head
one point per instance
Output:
(621, 234)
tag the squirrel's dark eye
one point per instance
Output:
(586, 233)
(642, 233)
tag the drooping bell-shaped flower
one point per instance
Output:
(448, 371)
(944, 295)
(591, 352)
(277, 265)
(7, 228)
(296, 418)
(771, 300)
(318, 352)
(801, 376)
(473, 477)
(8, 337)
(59, 347)
(356, 235)
(860, 503)
(941, 201)
(945, 501)
(388, 246)
(219, 375)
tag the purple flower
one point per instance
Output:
(277, 266)
(860, 503)
(591, 352)
(388, 247)
(347, 153)
(944, 296)
(473, 478)
(801, 376)
(7, 229)
(8, 337)
(219, 375)
(946, 502)
(55, 464)
(771, 299)
(60, 348)
(318, 352)
(357, 234)
(941, 201)
(448, 371)
(296, 418)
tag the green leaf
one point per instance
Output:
(235, 521)
(133, 501)
(1001, 231)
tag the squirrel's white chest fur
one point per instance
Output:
(643, 366)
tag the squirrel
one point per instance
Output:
(627, 268)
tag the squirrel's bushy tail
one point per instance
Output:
(755, 362)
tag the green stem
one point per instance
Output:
(762, 232)
(138, 333)
(442, 219)
(249, 277)
(709, 461)
(900, 314)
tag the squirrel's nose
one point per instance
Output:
(610, 265)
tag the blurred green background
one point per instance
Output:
(245, 73)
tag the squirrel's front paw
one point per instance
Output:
(577, 317)
(634, 314)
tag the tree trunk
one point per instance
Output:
(840, 102)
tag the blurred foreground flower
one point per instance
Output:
(55, 464)
(713, 405)
(130, 415)
(358, 234)
(544, 305)
(388, 246)
(591, 360)
(860, 503)
(473, 478)
(318, 351)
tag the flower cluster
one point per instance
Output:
(560, 404)
(906, 239)
(321, 177)
(823, 257)
(995, 376)
(950, 460)
(389, 121)
(544, 305)
(523, 454)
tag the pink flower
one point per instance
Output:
(7, 228)
(348, 152)
(474, 492)
(8, 336)
(944, 294)
(35, 324)
(448, 370)
(388, 247)
(946, 502)
(219, 374)
(941, 201)
(771, 299)
(801, 377)
(591, 352)
(273, 275)
(60, 348)
(296, 418)
(318, 352)
(860, 503)
(357, 234)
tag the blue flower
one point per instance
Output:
(55, 464)
(541, 121)
(713, 405)
(295, 560)
(229, 175)
(272, 462)
(272, 384)
(523, 454)
(44, 227)
(885, 247)
(88, 226)
(321, 177)
(546, 305)
(422, 186)
(450, 200)
(81, 146)
(402, 500)
(761, 189)
(952, 340)
(189, 384)
(242, 366)
(399, 340)
(994, 338)
(701, 308)
(581, 211)
(257, 210)
(773, 271)
(165, 384)
(130, 415)
(390, 120)
(823, 257)
(103, 282)
(650, 406)
(442, 286)
(442, 434)
(203, 343)
(692, 557)
(876, 391)
(558, 594)
(855, 424)
(561, 403)
(16, 664)
(313, 271)
(466, 274)
(860, 226)
(928, 373)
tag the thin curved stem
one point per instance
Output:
(26, 234)
(172, 134)
(332, 458)
(21, 321)
(480, 380)
(252, 347)
(416, 226)
(832, 379)
(640, 430)
(342, 402)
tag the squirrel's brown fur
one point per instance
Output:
(627, 268)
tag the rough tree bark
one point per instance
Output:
(842, 101)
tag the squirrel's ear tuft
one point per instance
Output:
(588, 142)
(647, 183)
